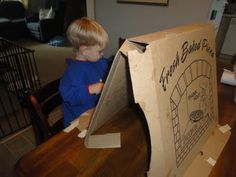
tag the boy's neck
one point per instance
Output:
(80, 57)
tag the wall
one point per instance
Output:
(126, 20)
(90, 8)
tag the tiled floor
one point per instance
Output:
(14, 147)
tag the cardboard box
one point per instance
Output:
(173, 76)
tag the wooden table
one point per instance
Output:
(64, 155)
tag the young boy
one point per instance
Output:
(83, 80)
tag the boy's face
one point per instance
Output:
(93, 53)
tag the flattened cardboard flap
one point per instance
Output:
(109, 140)
(210, 150)
(116, 95)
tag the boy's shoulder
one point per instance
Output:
(74, 65)
(70, 61)
(73, 62)
(106, 59)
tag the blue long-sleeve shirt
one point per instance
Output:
(74, 86)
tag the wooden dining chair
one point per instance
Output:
(45, 111)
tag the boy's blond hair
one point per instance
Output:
(85, 31)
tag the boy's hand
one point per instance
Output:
(96, 88)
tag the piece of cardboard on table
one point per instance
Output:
(173, 76)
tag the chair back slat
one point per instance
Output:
(42, 105)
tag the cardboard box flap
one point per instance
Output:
(141, 60)
(174, 81)
(116, 95)
(131, 45)
(139, 75)
(201, 166)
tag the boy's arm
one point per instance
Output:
(76, 95)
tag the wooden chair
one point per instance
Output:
(45, 111)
